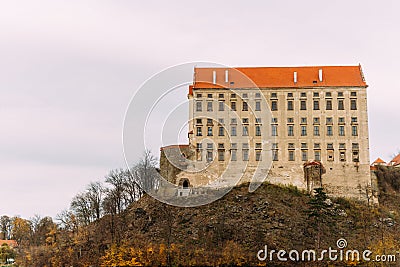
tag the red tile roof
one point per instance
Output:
(379, 160)
(10, 243)
(279, 77)
(395, 161)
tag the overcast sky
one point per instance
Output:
(68, 70)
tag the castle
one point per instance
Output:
(273, 123)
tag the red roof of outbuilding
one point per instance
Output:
(279, 77)
(395, 161)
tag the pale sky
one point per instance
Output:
(68, 70)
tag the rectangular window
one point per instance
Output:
(209, 155)
(342, 146)
(245, 95)
(303, 95)
(290, 105)
(198, 131)
(340, 104)
(258, 155)
(258, 106)
(258, 120)
(330, 154)
(303, 105)
(198, 95)
(316, 120)
(274, 105)
(209, 95)
(199, 106)
(233, 131)
(328, 94)
(316, 104)
(290, 130)
(317, 145)
(315, 94)
(353, 104)
(221, 154)
(303, 120)
(245, 154)
(355, 156)
(210, 122)
(329, 120)
(290, 120)
(303, 130)
(221, 131)
(199, 121)
(329, 104)
(221, 121)
(245, 130)
(329, 130)
(274, 130)
(233, 154)
(274, 145)
(340, 94)
(304, 155)
(209, 106)
(303, 145)
(353, 119)
(245, 120)
(341, 120)
(342, 156)
(258, 130)
(233, 105)
(354, 130)
(199, 154)
(274, 120)
(341, 130)
(291, 155)
(273, 95)
(220, 95)
(221, 105)
(353, 93)
(233, 121)
(289, 95)
(275, 155)
(233, 95)
(209, 131)
(257, 95)
(245, 106)
(317, 155)
(316, 130)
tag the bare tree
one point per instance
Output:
(94, 194)
(5, 226)
(146, 172)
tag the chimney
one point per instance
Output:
(320, 75)
(226, 76)
(295, 77)
(214, 77)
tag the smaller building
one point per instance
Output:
(395, 162)
(10, 243)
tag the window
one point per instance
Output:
(245, 120)
(290, 120)
(258, 155)
(316, 120)
(303, 120)
(209, 106)
(341, 120)
(329, 130)
(233, 121)
(245, 106)
(303, 95)
(209, 95)
(353, 104)
(198, 95)
(245, 130)
(220, 95)
(353, 93)
(340, 104)
(341, 130)
(209, 122)
(317, 145)
(274, 120)
(342, 146)
(221, 154)
(316, 104)
(303, 105)
(291, 145)
(329, 120)
(274, 130)
(340, 94)
(245, 154)
(328, 94)
(330, 154)
(274, 145)
(233, 154)
(258, 130)
(258, 120)
(303, 145)
(329, 146)
(198, 131)
(274, 105)
(199, 153)
(221, 105)
(273, 95)
(245, 95)
(291, 155)
(275, 155)
(233, 95)
(328, 104)
(199, 106)
(233, 105)
(289, 95)
(258, 105)
(221, 131)
(342, 156)
(355, 146)
(355, 156)
(233, 131)
(290, 130)
(317, 155)
(353, 119)
(354, 130)
(209, 131)
(221, 121)
(290, 105)
(199, 121)
(303, 130)
(316, 130)
(304, 155)
(315, 94)
(209, 155)
(258, 95)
